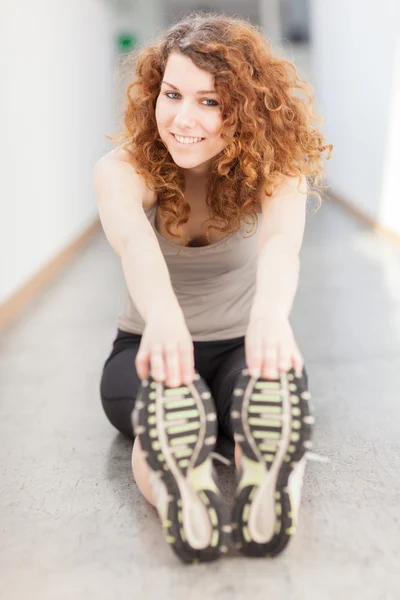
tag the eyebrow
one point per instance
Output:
(199, 92)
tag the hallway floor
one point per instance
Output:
(73, 524)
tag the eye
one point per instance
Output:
(209, 100)
(169, 93)
(215, 103)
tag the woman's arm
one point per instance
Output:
(120, 193)
(280, 241)
(270, 342)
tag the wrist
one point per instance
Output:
(166, 309)
(263, 310)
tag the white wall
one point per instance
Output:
(353, 72)
(56, 73)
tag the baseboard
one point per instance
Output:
(10, 309)
(364, 217)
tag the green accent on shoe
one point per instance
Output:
(182, 453)
(290, 531)
(179, 403)
(183, 428)
(213, 516)
(176, 391)
(266, 409)
(188, 439)
(201, 478)
(268, 447)
(183, 414)
(246, 534)
(269, 457)
(273, 435)
(268, 385)
(266, 398)
(171, 539)
(264, 422)
(253, 472)
(204, 497)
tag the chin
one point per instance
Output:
(186, 164)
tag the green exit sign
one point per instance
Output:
(127, 42)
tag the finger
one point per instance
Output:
(298, 363)
(187, 364)
(157, 362)
(270, 362)
(285, 358)
(173, 371)
(254, 357)
(142, 362)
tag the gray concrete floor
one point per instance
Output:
(73, 523)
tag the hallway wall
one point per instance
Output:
(356, 75)
(55, 108)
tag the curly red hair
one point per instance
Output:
(274, 131)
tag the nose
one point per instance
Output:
(184, 118)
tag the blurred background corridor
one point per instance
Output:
(72, 521)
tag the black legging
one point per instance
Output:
(217, 362)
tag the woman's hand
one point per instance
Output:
(271, 347)
(166, 351)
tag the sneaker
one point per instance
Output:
(272, 423)
(177, 429)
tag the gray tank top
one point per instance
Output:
(214, 284)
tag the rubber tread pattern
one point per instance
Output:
(280, 540)
(173, 531)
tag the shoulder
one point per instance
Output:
(122, 155)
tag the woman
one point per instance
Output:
(204, 203)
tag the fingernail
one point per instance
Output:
(272, 375)
(255, 373)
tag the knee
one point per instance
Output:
(118, 411)
(118, 389)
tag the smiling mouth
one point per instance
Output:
(198, 138)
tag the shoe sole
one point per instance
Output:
(177, 429)
(272, 423)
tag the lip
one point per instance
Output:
(180, 143)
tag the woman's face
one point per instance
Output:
(189, 106)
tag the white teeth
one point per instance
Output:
(187, 140)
